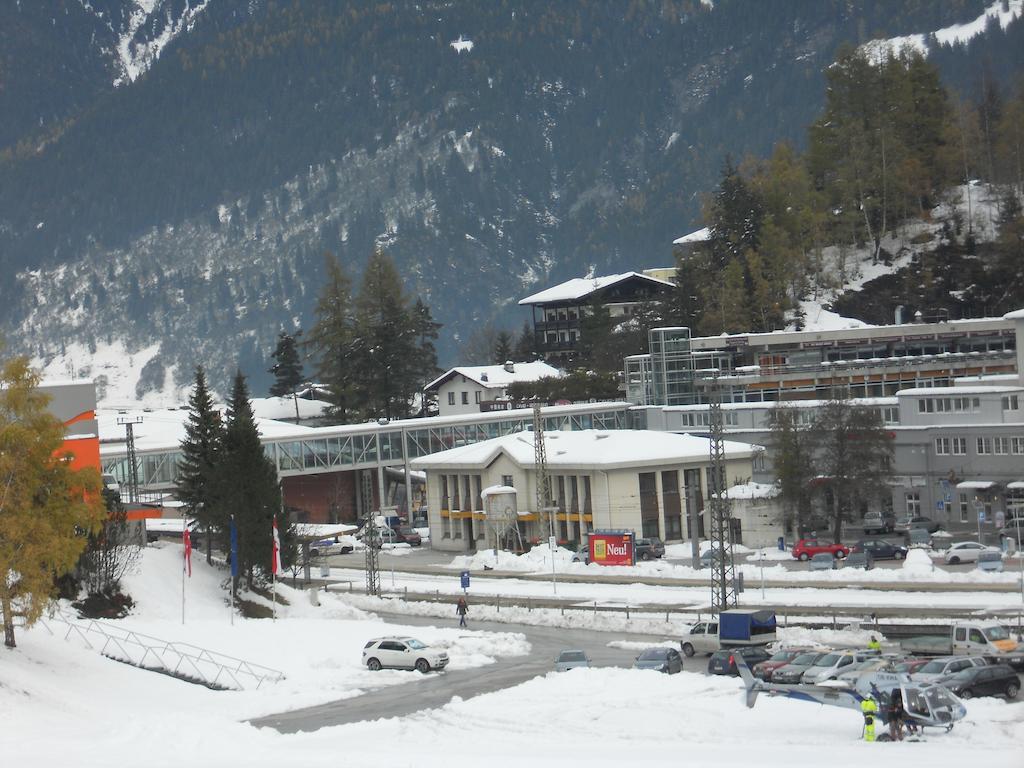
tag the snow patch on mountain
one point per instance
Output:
(1002, 11)
(135, 52)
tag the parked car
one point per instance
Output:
(709, 556)
(877, 523)
(792, 672)
(571, 660)
(859, 560)
(765, 669)
(945, 666)
(990, 680)
(649, 548)
(880, 549)
(665, 660)
(805, 549)
(967, 552)
(407, 535)
(403, 653)
(326, 547)
(723, 662)
(382, 536)
(918, 522)
(823, 561)
(910, 666)
(582, 555)
(990, 561)
(884, 663)
(831, 665)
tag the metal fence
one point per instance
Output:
(182, 660)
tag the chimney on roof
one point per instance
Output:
(510, 366)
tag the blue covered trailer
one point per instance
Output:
(746, 627)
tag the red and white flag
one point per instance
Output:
(188, 551)
(275, 566)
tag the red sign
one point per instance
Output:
(611, 548)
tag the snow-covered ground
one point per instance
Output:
(64, 704)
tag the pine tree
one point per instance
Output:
(331, 338)
(197, 467)
(793, 464)
(45, 505)
(502, 348)
(247, 488)
(425, 367)
(287, 368)
(385, 342)
(525, 349)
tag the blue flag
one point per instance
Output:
(234, 548)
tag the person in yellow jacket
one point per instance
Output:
(873, 644)
(869, 709)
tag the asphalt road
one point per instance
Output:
(439, 688)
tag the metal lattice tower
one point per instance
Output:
(370, 542)
(540, 463)
(132, 480)
(723, 569)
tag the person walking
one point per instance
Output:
(869, 709)
(462, 609)
(897, 714)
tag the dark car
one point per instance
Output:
(910, 666)
(989, 680)
(723, 662)
(407, 535)
(919, 522)
(765, 669)
(665, 660)
(649, 548)
(880, 549)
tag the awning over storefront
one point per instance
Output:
(1016, 485)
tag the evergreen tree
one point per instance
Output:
(503, 348)
(385, 342)
(197, 467)
(525, 348)
(287, 368)
(425, 367)
(331, 338)
(45, 506)
(793, 464)
(247, 487)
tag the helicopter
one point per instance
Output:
(926, 705)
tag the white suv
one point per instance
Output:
(403, 653)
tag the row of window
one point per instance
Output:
(984, 446)
(949, 405)
(703, 419)
(465, 397)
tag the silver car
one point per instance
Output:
(831, 665)
(403, 653)
(571, 660)
(945, 665)
(792, 672)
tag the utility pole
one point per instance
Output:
(723, 569)
(372, 555)
(545, 509)
(129, 423)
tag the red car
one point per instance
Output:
(781, 658)
(805, 549)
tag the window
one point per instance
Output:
(959, 446)
(925, 405)
(451, 398)
(506, 480)
(465, 398)
(891, 415)
(1001, 446)
(476, 397)
(984, 446)
(942, 447)
(1011, 403)
(914, 503)
(648, 504)
(1017, 446)
(964, 508)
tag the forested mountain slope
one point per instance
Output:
(183, 215)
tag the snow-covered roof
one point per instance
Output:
(752, 491)
(698, 236)
(283, 408)
(1016, 485)
(497, 490)
(587, 448)
(1015, 315)
(581, 287)
(953, 391)
(976, 485)
(497, 376)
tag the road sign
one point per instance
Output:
(1000, 518)
(940, 505)
(981, 515)
(949, 497)
(465, 579)
(552, 543)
